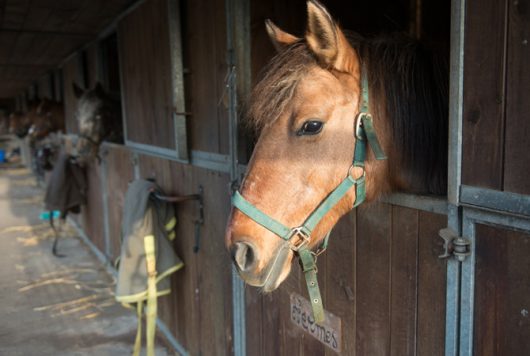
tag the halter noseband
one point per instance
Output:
(299, 237)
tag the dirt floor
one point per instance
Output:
(50, 305)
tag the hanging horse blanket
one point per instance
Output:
(147, 256)
(67, 188)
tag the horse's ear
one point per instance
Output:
(78, 92)
(327, 41)
(280, 39)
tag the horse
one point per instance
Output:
(48, 117)
(320, 103)
(99, 118)
(20, 122)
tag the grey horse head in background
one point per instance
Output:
(98, 116)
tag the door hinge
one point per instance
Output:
(454, 245)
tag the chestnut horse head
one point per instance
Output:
(305, 107)
(20, 122)
(48, 118)
(99, 118)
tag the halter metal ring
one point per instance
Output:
(350, 172)
(302, 238)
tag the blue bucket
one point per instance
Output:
(2, 156)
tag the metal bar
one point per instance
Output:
(452, 302)
(467, 290)
(103, 179)
(170, 338)
(454, 171)
(176, 199)
(208, 160)
(503, 202)
(161, 152)
(237, 38)
(211, 161)
(177, 80)
(420, 202)
(510, 222)
(122, 89)
(456, 100)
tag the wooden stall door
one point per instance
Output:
(502, 288)
(496, 87)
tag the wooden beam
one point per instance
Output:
(48, 33)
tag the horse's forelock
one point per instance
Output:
(277, 85)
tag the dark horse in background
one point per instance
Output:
(20, 122)
(43, 117)
(306, 107)
(99, 119)
(48, 118)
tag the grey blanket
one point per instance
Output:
(145, 215)
(66, 190)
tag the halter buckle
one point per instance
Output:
(359, 131)
(302, 238)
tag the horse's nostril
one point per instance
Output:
(243, 256)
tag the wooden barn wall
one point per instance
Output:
(501, 292)
(143, 39)
(496, 87)
(381, 275)
(71, 74)
(91, 55)
(44, 85)
(199, 310)
(119, 166)
(204, 47)
(92, 214)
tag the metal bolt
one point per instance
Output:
(525, 42)
(315, 300)
(524, 313)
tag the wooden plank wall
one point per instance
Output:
(71, 74)
(199, 311)
(496, 86)
(502, 287)
(381, 276)
(91, 54)
(119, 165)
(44, 87)
(92, 214)
(143, 40)
(204, 42)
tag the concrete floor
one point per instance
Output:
(49, 305)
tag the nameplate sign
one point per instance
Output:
(328, 332)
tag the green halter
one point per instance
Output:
(299, 237)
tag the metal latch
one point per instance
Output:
(454, 245)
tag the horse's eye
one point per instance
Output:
(311, 127)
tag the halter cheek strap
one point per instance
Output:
(299, 237)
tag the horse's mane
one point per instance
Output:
(403, 75)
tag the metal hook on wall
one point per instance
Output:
(183, 198)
